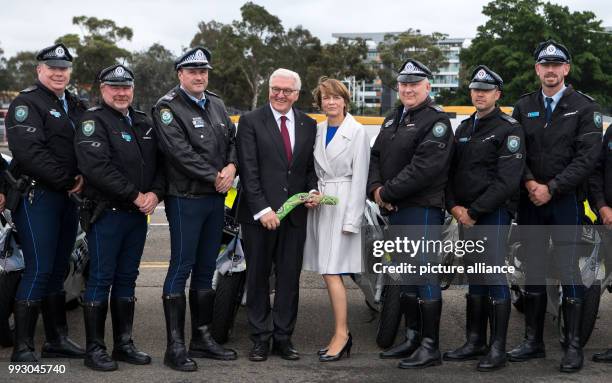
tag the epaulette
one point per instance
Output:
(466, 120)
(527, 94)
(168, 96)
(211, 93)
(436, 107)
(140, 112)
(29, 89)
(586, 95)
(508, 118)
(94, 108)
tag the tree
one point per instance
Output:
(96, 48)
(4, 74)
(394, 50)
(513, 30)
(245, 52)
(154, 75)
(21, 70)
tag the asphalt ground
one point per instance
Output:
(314, 328)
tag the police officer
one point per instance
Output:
(482, 194)
(408, 173)
(40, 129)
(600, 196)
(117, 153)
(563, 134)
(198, 141)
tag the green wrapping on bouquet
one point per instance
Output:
(300, 198)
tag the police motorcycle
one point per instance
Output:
(12, 264)
(595, 265)
(230, 275)
(382, 291)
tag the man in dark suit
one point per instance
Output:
(275, 158)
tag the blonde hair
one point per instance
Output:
(334, 87)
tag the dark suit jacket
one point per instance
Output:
(266, 177)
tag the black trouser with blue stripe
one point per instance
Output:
(494, 227)
(560, 220)
(196, 230)
(47, 229)
(115, 242)
(421, 223)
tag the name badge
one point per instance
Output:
(198, 122)
(533, 114)
(55, 113)
(464, 139)
(126, 136)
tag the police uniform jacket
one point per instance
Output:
(564, 153)
(118, 160)
(487, 165)
(411, 157)
(41, 136)
(600, 182)
(197, 143)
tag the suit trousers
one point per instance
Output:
(282, 248)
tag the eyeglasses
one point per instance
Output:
(286, 92)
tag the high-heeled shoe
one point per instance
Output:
(346, 349)
(322, 351)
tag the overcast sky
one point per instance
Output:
(33, 24)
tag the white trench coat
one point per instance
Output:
(342, 170)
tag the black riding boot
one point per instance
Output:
(26, 315)
(57, 344)
(176, 356)
(496, 357)
(122, 313)
(202, 345)
(572, 315)
(96, 356)
(533, 344)
(428, 353)
(475, 330)
(409, 306)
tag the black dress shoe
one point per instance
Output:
(259, 352)
(285, 350)
(603, 357)
(322, 351)
(346, 349)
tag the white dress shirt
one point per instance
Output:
(290, 123)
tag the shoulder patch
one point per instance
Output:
(586, 96)
(94, 108)
(598, 120)
(439, 129)
(21, 113)
(436, 107)
(88, 127)
(165, 115)
(211, 93)
(29, 89)
(513, 144)
(508, 118)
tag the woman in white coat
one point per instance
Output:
(333, 242)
